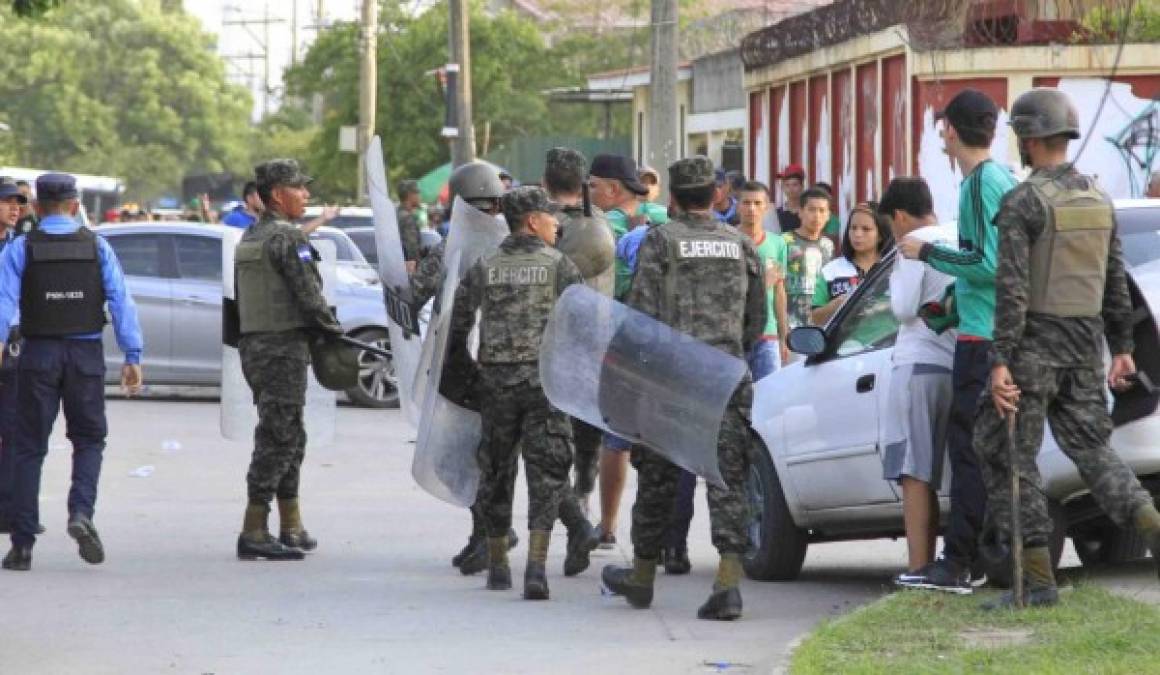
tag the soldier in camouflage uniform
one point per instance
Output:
(280, 302)
(717, 295)
(514, 290)
(409, 223)
(1061, 289)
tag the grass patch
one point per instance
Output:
(1090, 631)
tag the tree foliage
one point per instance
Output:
(111, 88)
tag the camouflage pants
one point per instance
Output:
(1074, 402)
(587, 440)
(274, 365)
(728, 507)
(519, 416)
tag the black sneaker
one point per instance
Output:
(676, 560)
(19, 559)
(940, 575)
(88, 541)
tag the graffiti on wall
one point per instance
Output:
(1124, 139)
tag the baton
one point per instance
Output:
(381, 353)
(1016, 521)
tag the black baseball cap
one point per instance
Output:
(9, 189)
(970, 109)
(618, 167)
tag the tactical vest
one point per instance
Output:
(519, 293)
(1069, 260)
(61, 292)
(705, 283)
(264, 301)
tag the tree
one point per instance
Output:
(33, 7)
(109, 88)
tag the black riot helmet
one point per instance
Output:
(478, 184)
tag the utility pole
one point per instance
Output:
(294, 33)
(463, 143)
(663, 144)
(368, 81)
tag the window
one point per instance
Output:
(139, 254)
(343, 248)
(199, 257)
(870, 325)
(365, 241)
(1139, 230)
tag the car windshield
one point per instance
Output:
(1139, 230)
(343, 221)
(365, 241)
(345, 250)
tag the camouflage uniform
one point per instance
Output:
(275, 364)
(728, 313)
(513, 406)
(1057, 364)
(409, 234)
(428, 275)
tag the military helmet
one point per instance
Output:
(475, 180)
(1044, 112)
(588, 242)
(335, 364)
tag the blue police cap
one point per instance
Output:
(56, 187)
(9, 189)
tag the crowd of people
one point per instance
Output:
(1004, 319)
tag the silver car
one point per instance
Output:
(174, 273)
(817, 475)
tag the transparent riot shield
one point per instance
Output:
(239, 415)
(402, 314)
(445, 452)
(623, 371)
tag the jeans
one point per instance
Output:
(764, 358)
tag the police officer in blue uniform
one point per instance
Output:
(12, 202)
(61, 276)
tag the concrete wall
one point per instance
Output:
(717, 82)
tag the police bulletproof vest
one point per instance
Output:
(519, 293)
(61, 292)
(264, 301)
(1069, 260)
(705, 283)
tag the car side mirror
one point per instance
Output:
(807, 340)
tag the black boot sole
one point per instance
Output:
(246, 553)
(719, 607)
(88, 542)
(535, 591)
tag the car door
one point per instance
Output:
(833, 404)
(144, 261)
(197, 308)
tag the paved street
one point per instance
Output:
(380, 595)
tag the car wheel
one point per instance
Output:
(1109, 545)
(377, 383)
(777, 546)
(995, 554)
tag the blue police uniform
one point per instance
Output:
(60, 364)
(8, 190)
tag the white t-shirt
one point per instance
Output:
(913, 284)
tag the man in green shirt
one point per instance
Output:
(969, 128)
(616, 189)
(771, 350)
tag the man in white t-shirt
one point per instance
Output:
(920, 387)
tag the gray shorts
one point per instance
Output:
(918, 408)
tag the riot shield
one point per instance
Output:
(238, 415)
(445, 452)
(402, 314)
(623, 371)
(473, 235)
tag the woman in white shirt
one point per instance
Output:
(866, 239)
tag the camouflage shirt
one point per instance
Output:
(288, 249)
(409, 233)
(428, 275)
(1051, 340)
(727, 313)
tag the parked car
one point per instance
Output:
(364, 239)
(348, 216)
(817, 471)
(349, 256)
(174, 273)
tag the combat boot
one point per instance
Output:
(1148, 524)
(1039, 589)
(634, 583)
(676, 560)
(474, 558)
(725, 602)
(19, 559)
(291, 532)
(535, 574)
(256, 542)
(582, 540)
(499, 573)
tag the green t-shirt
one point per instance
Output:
(772, 251)
(618, 219)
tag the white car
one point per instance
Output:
(819, 475)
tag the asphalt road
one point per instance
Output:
(379, 596)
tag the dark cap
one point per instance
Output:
(566, 160)
(618, 167)
(520, 201)
(692, 172)
(970, 109)
(9, 189)
(56, 187)
(792, 171)
(408, 187)
(280, 172)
